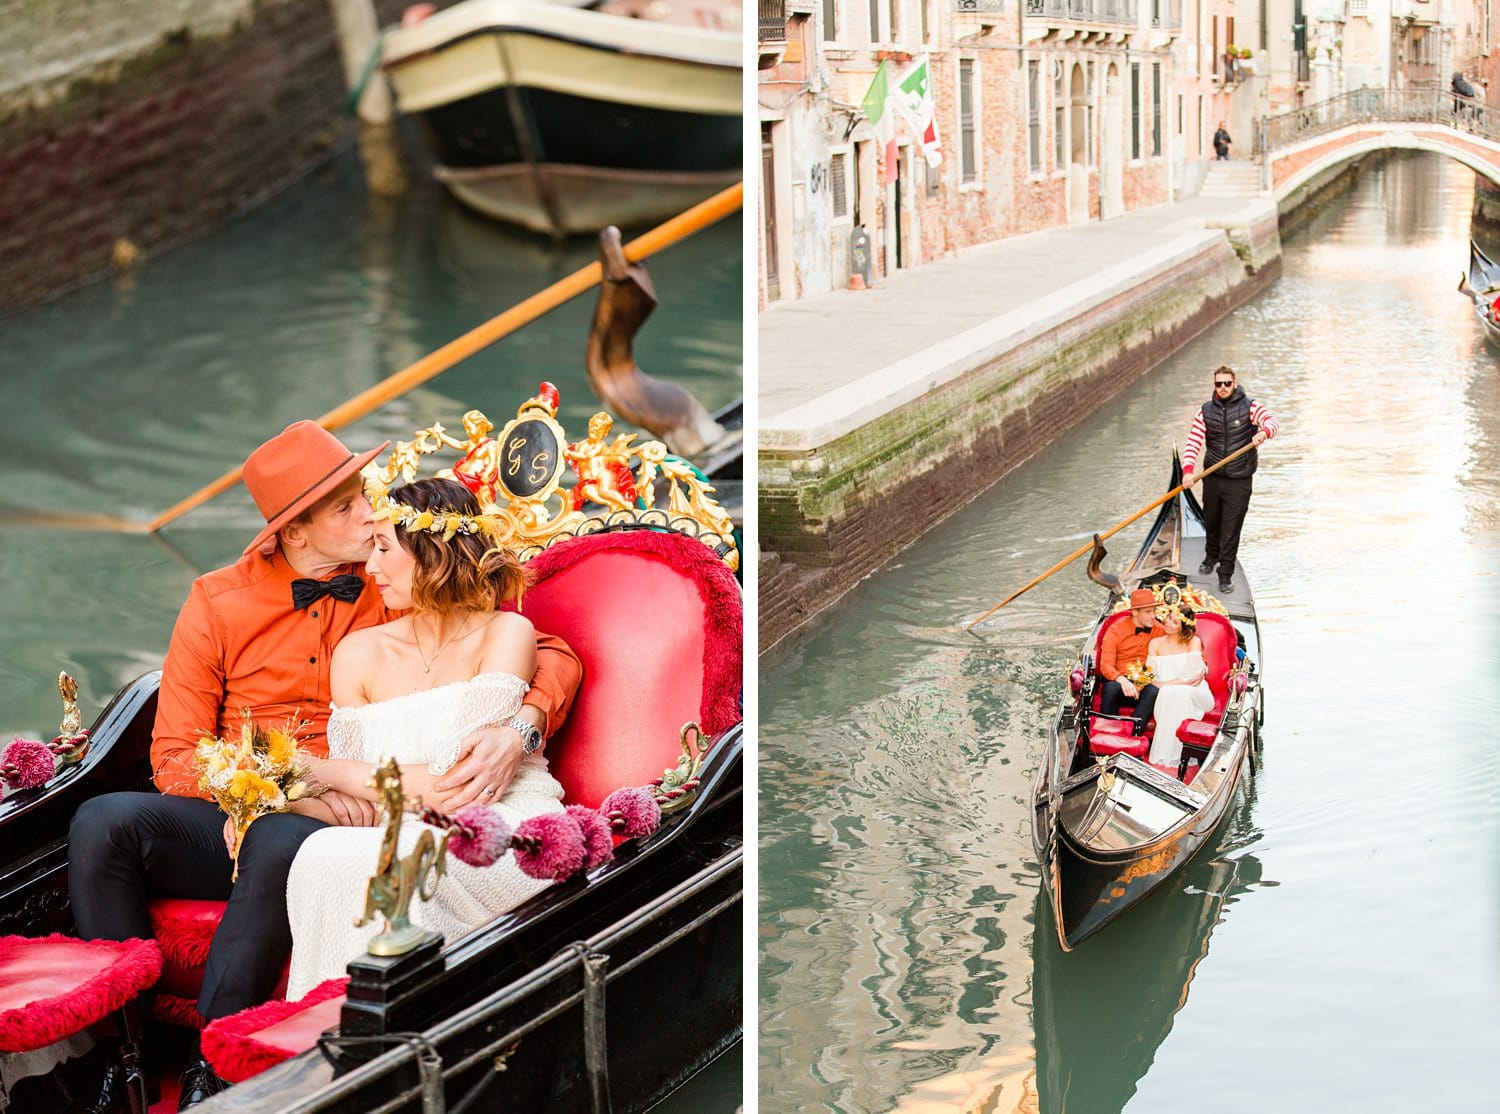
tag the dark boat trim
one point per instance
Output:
(573, 40)
(546, 126)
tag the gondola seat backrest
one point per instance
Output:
(657, 620)
(1219, 644)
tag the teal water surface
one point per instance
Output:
(1338, 946)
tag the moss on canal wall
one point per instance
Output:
(831, 515)
(130, 119)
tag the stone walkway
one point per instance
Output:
(831, 362)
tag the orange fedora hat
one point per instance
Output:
(296, 468)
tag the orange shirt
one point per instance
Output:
(1122, 645)
(239, 644)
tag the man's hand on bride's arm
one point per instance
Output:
(338, 809)
(487, 760)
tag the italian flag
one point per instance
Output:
(877, 110)
(913, 99)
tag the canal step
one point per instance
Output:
(1231, 179)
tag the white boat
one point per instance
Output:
(565, 119)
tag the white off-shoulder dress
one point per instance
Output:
(326, 887)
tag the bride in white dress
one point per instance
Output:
(413, 689)
(1181, 678)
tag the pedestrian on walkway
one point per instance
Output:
(1228, 421)
(1221, 143)
(1463, 95)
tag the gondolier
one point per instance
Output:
(1228, 421)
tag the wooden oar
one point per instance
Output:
(1115, 529)
(435, 363)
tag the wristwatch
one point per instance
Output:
(531, 735)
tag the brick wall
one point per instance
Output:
(156, 145)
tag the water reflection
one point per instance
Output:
(1102, 1011)
(900, 968)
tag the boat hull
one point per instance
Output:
(566, 121)
(1090, 887)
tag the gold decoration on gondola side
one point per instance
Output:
(677, 787)
(517, 478)
(72, 742)
(397, 880)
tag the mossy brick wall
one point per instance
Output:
(830, 516)
(150, 121)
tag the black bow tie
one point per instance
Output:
(1138, 630)
(346, 588)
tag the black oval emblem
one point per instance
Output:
(530, 459)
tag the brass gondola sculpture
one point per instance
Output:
(398, 879)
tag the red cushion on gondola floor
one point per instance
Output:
(1113, 736)
(1197, 732)
(656, 619)
(185, 928)
(249, 1042)
(54, 986)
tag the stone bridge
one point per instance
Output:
(1295, 147)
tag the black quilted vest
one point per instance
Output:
(1226, 427)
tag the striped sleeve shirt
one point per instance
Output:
(1260, 417)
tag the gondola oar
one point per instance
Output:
(1115, 529)
(435, 363)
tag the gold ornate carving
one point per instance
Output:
(677, 787)
(398, 879)
(517, 477)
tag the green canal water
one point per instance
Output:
(1338, 946)
(124, 396)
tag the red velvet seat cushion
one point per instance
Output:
(249, 1042)
(1197, 732)
(1116, 736)
(1219, 644)
(54, 986)
(657, 620)
(184, 927)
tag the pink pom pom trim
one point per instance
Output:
(480, 835)
(549, 846)
(598, 841)
(631, 813)
(30, 763)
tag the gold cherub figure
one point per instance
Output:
(603, 466)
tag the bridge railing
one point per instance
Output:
(1428, 105)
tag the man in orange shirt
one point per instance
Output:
(1125, 643)
(258, 636)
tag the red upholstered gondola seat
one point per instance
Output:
(54, 986)
(1108, 736)
(1114, 736)
(656, 619)
(184, 927)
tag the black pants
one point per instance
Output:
(1112, 697)
(124, 848)
(1225, 502)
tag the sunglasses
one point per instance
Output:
(1223, 382)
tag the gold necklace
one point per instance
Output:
(426, 661)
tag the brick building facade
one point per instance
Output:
(1053, 112)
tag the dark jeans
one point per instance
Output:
(1221, 153)
(124, 848)
(1225, 502)
(1112, 697)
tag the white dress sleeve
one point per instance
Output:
(490, 700)
(346, 734)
